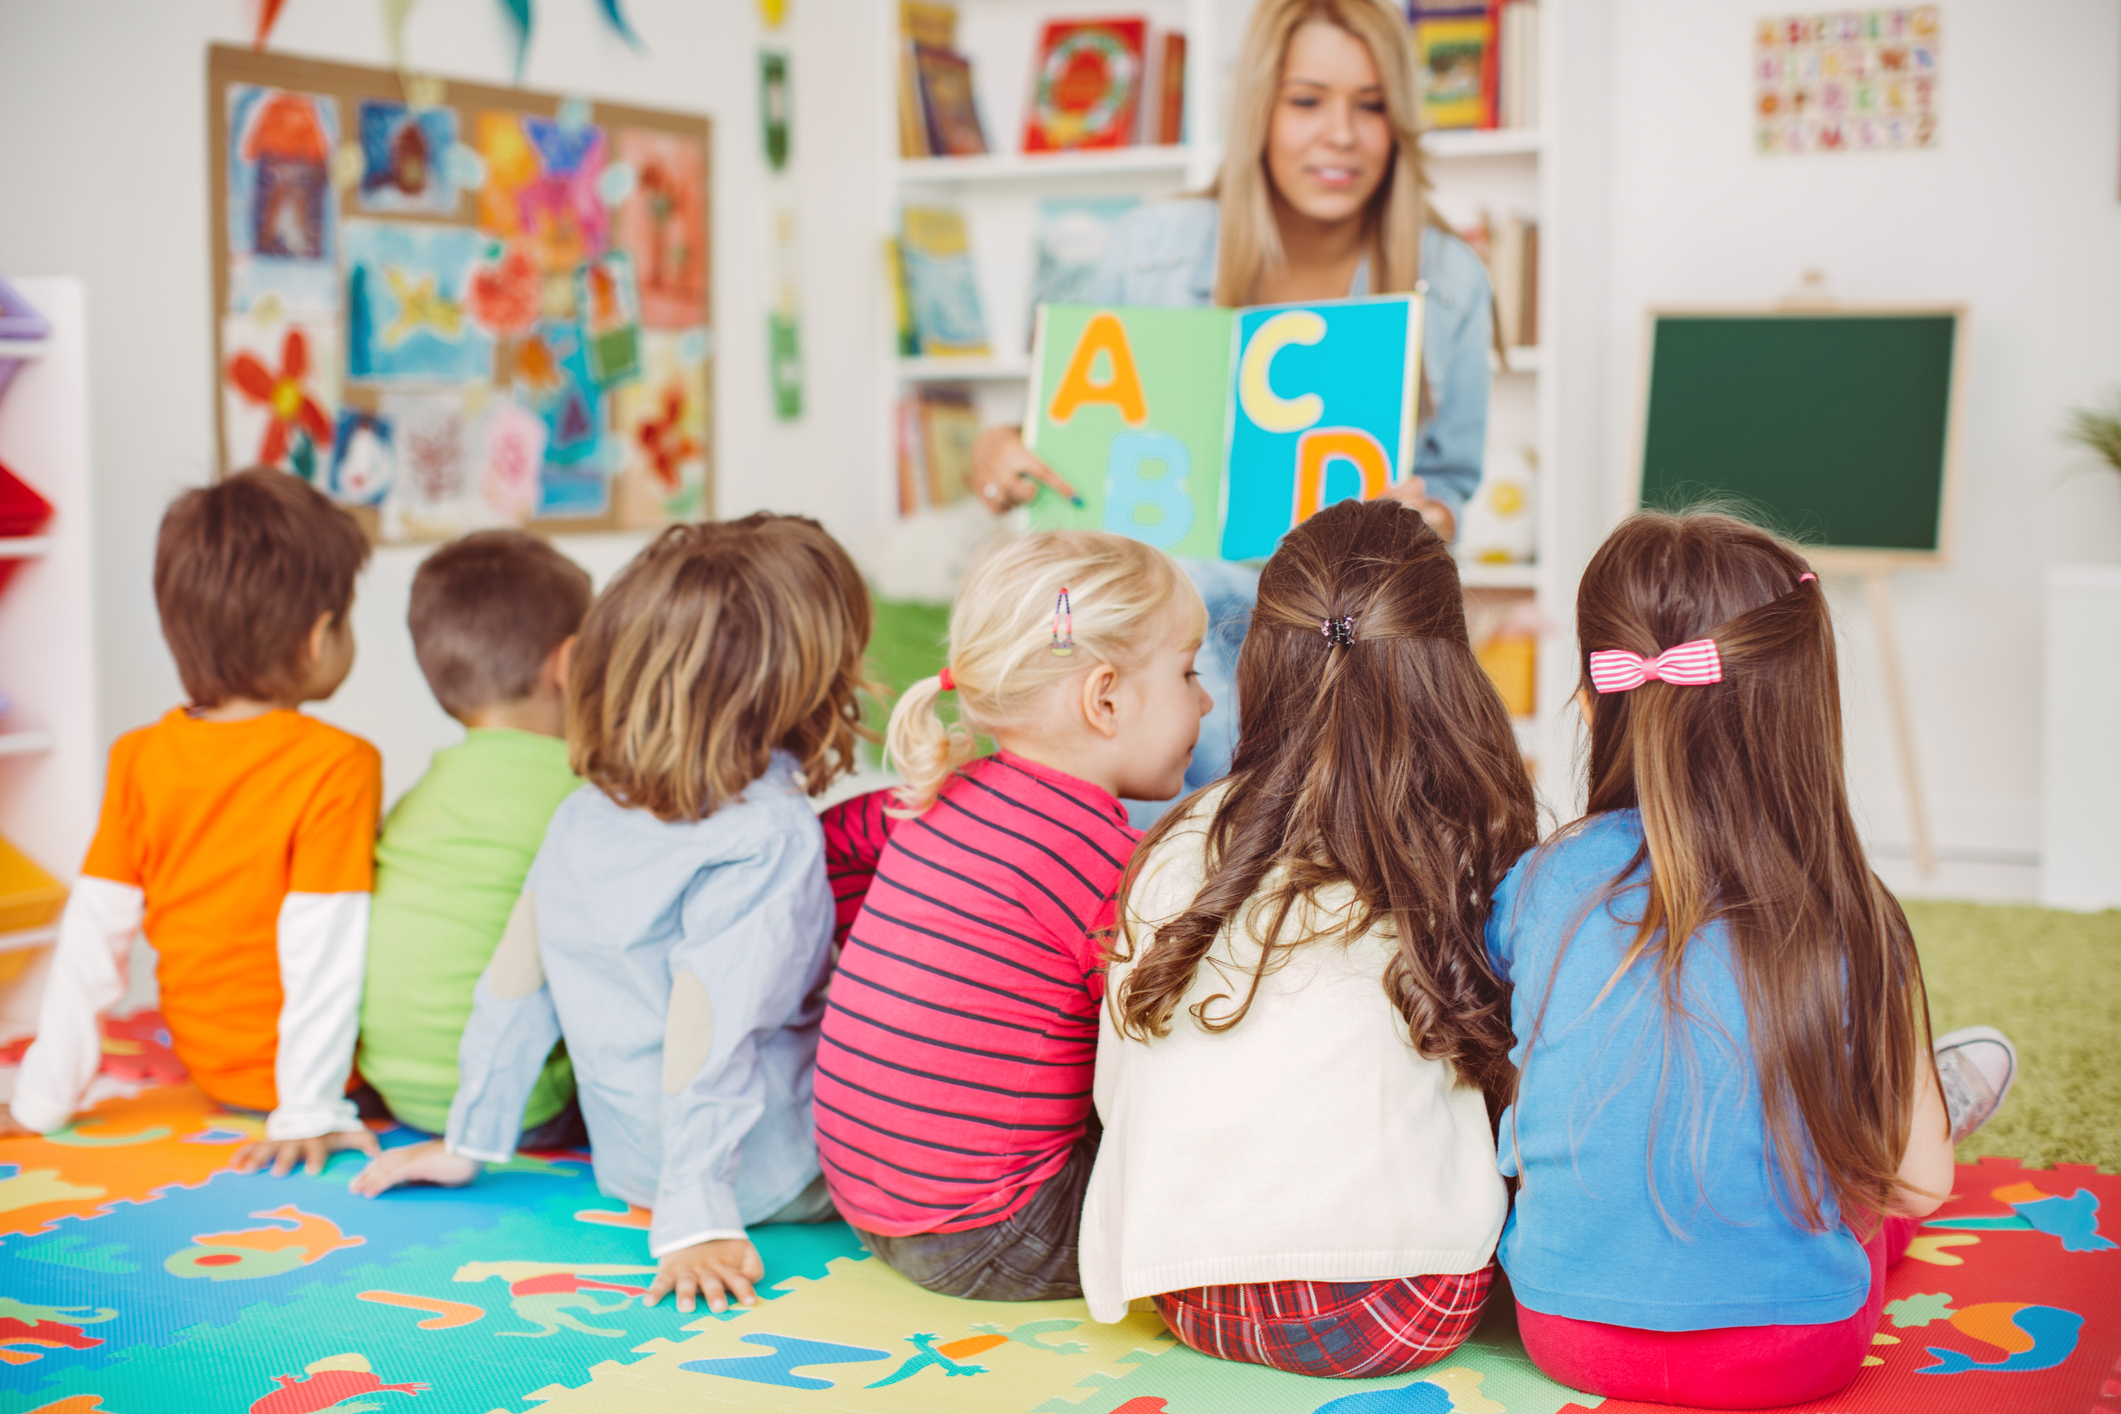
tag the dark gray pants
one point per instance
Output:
(1027, 1256)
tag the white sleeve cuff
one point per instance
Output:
(463, 1153)
(87, 978)
(323, 954)
(719, 1234)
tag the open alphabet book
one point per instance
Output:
(1209, 433)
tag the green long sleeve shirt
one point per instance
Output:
(449, 865)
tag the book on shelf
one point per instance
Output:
(1210, 432)
(1455, 65)
(1517, 39)
(1070, 240)
(922, 24)
(1513, 270)
(935, 429)
(948, 109)
(1171, 91)
(907, 339)
(941, 289)
(1086, 84)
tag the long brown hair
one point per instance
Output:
(1746, 821)
(1387, 765)
(716, 644)
(1250, 239)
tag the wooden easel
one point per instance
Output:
(1811, 293)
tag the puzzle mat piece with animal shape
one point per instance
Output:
(479, 1314)
(126, 1151)
(223, 1251)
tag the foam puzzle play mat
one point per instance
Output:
(140, 1275)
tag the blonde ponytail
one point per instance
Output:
(1002, 638)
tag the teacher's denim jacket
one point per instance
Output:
(1163, 254)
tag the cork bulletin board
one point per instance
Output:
(453, 306)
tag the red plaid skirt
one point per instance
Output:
(1350, 1330)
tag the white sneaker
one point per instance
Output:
(1976, 1066)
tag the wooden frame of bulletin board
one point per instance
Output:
(453, 306)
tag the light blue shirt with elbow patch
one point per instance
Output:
(685, 965)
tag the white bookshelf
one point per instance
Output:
(50, 767)
(1505, 171)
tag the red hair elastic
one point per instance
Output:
(949, 682)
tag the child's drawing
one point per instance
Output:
(661, 429)
(662, 223)
(541, 183)
(405, 162)
(514, 456)
(364, 460)
(611, 318)
(436, 493)
(282, 218)
(552, 376)
(406, 318)
(279, 387)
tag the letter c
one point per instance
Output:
(1255, 392)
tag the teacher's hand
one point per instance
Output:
(1004, 473)
(1415, 492)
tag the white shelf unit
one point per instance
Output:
(50, 766)
(1504, 170)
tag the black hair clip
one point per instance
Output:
(1340, 633)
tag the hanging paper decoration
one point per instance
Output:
(773, 106)
(519, 15)
(394, 13)
(784, 315)
(773, 12)
(268, 16)
(618, 22)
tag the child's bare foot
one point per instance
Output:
(1976, 1066)
(282, 1155)
(414, 1163)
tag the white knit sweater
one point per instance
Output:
(1310, 1142)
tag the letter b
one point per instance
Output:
(1127, 490)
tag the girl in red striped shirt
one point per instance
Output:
(953, 1080)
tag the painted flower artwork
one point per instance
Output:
(285, 396)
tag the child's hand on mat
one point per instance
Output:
(414, 1163)
(707, 1270)
(281, 1155)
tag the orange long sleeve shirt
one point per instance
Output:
(217, 823)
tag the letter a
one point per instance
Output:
(1104, 333)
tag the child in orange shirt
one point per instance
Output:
(236, 832)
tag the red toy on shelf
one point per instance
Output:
(22, 512)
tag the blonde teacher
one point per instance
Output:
(1321, 196)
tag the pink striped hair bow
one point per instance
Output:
(1694, 664)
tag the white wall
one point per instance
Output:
(2016, 215)
(103, 174)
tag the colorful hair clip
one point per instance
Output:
(1063, 626)
(1805, 576)
(949, 683)
(1340, 633)
(1692, 664)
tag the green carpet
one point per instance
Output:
(2051, 981)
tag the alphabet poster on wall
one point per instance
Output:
(1846, 80)
(453, 306)
(1212, 432)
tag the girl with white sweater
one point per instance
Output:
(1302, 1038)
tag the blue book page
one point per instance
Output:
(1324, 406)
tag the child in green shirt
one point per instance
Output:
(493, 617)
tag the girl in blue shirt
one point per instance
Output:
(1727, 1115)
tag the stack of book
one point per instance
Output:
(1477, 62)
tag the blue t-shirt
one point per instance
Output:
(1608, 1080)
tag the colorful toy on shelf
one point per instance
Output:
(22, 333)
(29, 897)
(22, 513)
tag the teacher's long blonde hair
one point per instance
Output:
(1251, 241)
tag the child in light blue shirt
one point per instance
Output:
(676, 926)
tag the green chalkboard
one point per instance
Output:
(1833, 428)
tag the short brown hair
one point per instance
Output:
(487, 611)
(717, 644)
(243, 570)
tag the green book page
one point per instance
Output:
(1131, 408)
